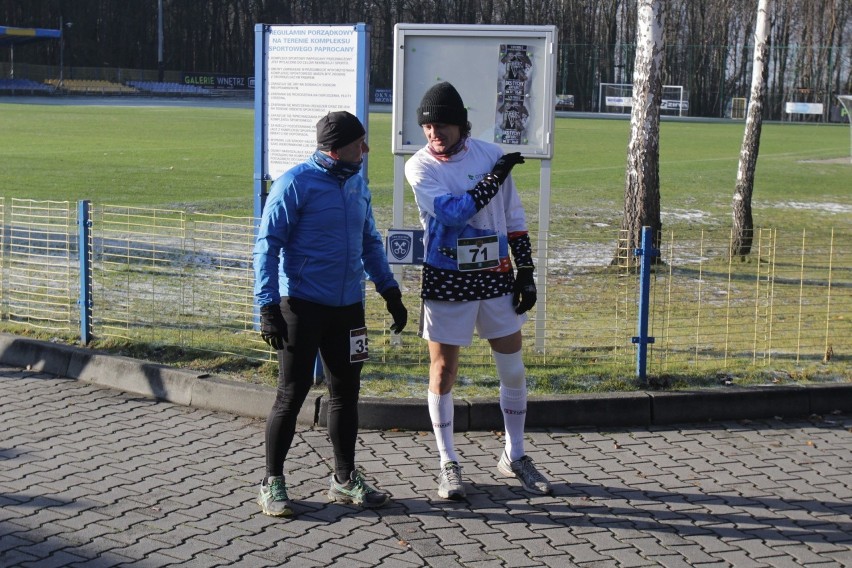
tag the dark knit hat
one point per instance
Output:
(442, 104)
(337, 129)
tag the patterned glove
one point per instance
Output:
(503, 167)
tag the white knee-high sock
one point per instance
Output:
(441, 413)
(513, 400)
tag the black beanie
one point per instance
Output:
(337, 129)
(442, 104)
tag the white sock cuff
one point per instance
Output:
(433, 397)
(510, 369)
(441, 409)
(513, 395)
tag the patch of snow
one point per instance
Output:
(693, 215)
(814, 206)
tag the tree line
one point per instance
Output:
(708, 43)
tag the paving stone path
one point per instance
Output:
(96, 477)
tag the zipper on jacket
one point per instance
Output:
(346, 233)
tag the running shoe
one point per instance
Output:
(273, 498)
(356, 491)
(524, 469)
(450, 484)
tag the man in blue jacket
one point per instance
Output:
(317, 238)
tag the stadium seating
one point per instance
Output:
(24, 86)
(154, 87)
(97, 87)
(91, 87)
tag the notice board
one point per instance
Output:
(302, 72)
(505, 75)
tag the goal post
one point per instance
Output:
(738, 108)
(846, 101)
(617, 98)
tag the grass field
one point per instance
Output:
(202, 159)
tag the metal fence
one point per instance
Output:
(172, 278)
(37, 252)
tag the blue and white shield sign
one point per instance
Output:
(400, 246)
(404, 246)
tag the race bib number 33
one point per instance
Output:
(358, 345)
(478, 253)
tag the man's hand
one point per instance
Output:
(273, 328)
(524, 293)
(393, 301)
(503, 167)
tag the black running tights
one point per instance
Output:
(316, 328)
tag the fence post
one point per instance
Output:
(84, 254)
(648, 253)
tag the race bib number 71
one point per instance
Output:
(478, 253)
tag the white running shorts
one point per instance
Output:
(452, 323)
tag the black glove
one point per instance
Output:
(393, 301)
(273, 328)
(503, 167)
(524, 292)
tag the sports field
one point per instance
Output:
(780, 312)
(202, 159)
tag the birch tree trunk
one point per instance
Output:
(743, 223)
(642, 183)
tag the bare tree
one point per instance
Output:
(743, 229)
(642, 184)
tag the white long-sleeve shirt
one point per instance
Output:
(467, 250)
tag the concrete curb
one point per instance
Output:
(733, 403)
(619, 409)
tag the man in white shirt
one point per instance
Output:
(473, 218)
